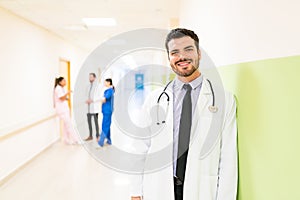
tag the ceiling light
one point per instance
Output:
(99, 21)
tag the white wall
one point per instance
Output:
(234, 31)
(28, 65)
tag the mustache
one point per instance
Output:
(183, 60)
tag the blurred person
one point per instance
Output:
(63, 111)
(93, 106)
(107, 110)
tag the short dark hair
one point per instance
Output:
(93, 74)
(179, 33)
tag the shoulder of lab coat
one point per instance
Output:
(142, 146)
(228, 174)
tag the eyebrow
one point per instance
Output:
(189, 47)
(174, 50)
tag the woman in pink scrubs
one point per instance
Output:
(63, 111)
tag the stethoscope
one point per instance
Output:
(212, 108)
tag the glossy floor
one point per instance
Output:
(65, 172)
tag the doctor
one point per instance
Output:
(204, 152)
(93, 99)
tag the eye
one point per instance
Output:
(173, 53)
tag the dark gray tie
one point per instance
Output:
(184, 132)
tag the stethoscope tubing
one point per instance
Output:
(212, 108)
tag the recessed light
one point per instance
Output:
(99, 21)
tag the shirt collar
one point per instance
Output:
(178, 84)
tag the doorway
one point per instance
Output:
(65, 71)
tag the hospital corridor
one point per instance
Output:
(149, 100)
(65, 173)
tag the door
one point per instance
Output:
(64, 71)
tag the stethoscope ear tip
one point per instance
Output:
(213, 109)
(157, 123)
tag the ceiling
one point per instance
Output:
(63, 17)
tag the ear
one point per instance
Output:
(199, 54)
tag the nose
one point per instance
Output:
(181, 56)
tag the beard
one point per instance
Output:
(186, 73)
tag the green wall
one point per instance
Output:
(268, 97)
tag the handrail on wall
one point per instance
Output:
(15, 132)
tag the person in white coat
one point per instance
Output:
(93, 104)
(201, 128)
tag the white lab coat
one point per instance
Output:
(211, 169)
(96, 95)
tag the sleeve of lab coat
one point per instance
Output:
(136, 181)
(228, 172)
(141, 147)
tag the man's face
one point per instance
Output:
(184, 56)
(92, 78)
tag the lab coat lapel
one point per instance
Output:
(202, 104)
(199, 132)
(162, 149)
(169, 121)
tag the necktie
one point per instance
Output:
(184, 132)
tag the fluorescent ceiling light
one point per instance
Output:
(99, 21)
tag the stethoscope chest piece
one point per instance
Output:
(213, 109)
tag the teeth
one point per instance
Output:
(180, 64)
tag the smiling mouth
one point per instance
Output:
(183, 64)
